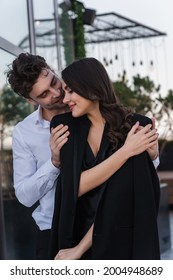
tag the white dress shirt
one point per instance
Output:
(34, 174)
(156, 162)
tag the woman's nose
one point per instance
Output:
(66, 99)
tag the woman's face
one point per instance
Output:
(78, 105)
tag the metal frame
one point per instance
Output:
(109, 27)
(31, 28)
(10, 47)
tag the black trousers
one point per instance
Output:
(42, 247)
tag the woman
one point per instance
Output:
(118, 219)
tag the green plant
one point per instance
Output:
(67, 34)
(78, 29)
(13, 108)
(145, 98)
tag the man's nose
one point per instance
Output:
(55, 92)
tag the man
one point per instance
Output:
(36, 157)
(36, 165)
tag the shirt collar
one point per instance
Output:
(39, 119)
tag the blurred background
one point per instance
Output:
(133, 39)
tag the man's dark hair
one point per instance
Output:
(24, 72)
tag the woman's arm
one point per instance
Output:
(76, 252)
(136, 143)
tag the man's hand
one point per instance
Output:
(153, 151)
(59, 136)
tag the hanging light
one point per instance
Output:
(116, 57)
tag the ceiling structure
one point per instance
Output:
(107, 27)
(114, 27)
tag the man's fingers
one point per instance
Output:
(151, 132)
(153, 122)
(59, 131)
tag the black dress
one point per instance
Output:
(88, 203)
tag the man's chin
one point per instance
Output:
(59, 106)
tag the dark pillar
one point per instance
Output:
(2, 228)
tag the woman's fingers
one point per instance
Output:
(153, 138)
(134, 128)
(151, 132)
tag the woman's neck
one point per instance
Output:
(96, 131)
(96, 119)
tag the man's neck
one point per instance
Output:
(48, 115)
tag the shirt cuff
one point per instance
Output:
(51, 168)
(156, 162)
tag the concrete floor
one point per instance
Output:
(168, 254)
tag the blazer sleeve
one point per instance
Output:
(67, 186)
(62, 223)
(146, 203)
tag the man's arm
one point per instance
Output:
(153, 151)
(30, 182)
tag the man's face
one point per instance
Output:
(46, 92)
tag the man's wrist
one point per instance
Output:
(56, 163)
(156, 156)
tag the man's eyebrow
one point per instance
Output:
(54, 77)
(40, 95)
(51, 82)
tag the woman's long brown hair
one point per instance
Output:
(88, 78)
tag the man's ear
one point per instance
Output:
(31, 101)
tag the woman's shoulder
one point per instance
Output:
(143, 120)
(67, 119)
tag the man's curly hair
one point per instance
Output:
(24, 72)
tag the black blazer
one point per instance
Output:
(125, 225)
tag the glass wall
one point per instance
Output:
(13, 20)
(12, 220)
(17, 231)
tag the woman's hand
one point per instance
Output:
(59, 136)
(76, 252)
(69, 254)
(141, 139)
